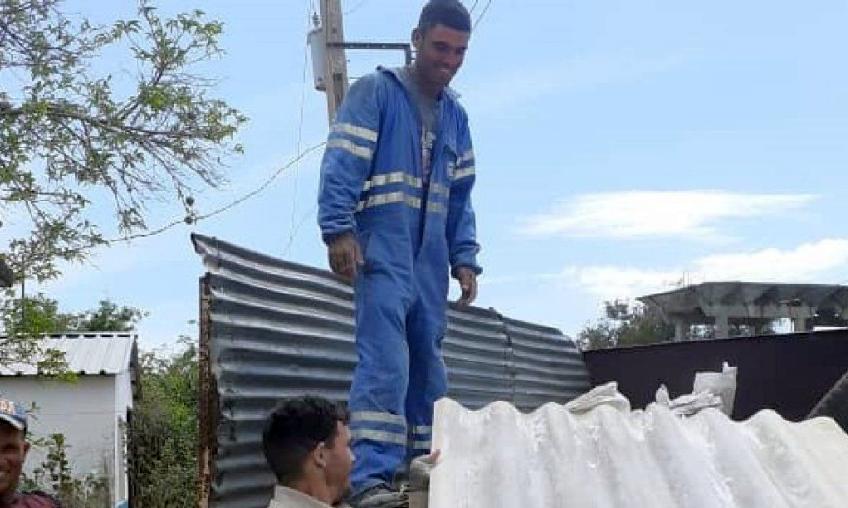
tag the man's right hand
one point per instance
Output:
(345, 255)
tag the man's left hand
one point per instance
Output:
(468, 284)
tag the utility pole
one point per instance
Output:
(335, 64)
(329, 64)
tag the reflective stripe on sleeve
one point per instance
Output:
(462, 173)
(466, 157)
(351, 147)
(355, 130)
(379, 435)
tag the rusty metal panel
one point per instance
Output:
(207, 402)
(272, 329)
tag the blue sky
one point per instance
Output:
(621, 145)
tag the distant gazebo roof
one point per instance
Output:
(750, 303)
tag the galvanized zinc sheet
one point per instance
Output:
(548, 366)
(272, 329)
(91, 353)
(475, 350)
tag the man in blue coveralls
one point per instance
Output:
(395, 212)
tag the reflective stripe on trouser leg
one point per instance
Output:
(378, 391)
(420, 440)
(427, 373)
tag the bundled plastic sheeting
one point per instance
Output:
(722, 384)
(597, 453)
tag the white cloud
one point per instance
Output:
(634, 214)
(619, 282)
(823, 261)
(804, 263)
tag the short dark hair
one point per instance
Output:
(450, 13)
(294, 428)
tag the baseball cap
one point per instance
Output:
(13, 414)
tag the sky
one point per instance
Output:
(621, 147)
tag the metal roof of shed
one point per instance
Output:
(94, 353)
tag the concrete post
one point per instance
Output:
(681, 330)
(722, 328)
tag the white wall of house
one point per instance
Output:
(88, 411)
(123, 401)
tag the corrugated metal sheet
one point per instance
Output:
(476, 352)
(547, 368)
(271, 329)
(85, 353)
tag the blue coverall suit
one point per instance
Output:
(410, 232)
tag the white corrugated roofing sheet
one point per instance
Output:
(86, 354)
(602, 455)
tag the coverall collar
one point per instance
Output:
(394, 72)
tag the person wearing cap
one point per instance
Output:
(13, 452)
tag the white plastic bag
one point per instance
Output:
(687, 405)
(721, 383)
(603, 395)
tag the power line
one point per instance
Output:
(356, 7)
(310, 213)
(300, 127)
(242, 199)
(482, 13)
(473, 6)
(264, 185)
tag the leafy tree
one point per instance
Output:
(107, 317)
(24, 320)
(39, 315)
(35, 315)
(54, 475)
(625, 324)
(162, 436)
(70, 136)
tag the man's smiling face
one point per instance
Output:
(13, 450)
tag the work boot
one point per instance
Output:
(379, 496)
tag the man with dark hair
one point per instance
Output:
(13, 452)
(307, 446)
(395, 212)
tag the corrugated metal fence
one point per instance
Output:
(271, 329)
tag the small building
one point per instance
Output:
(89, 411)
(726, 305)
